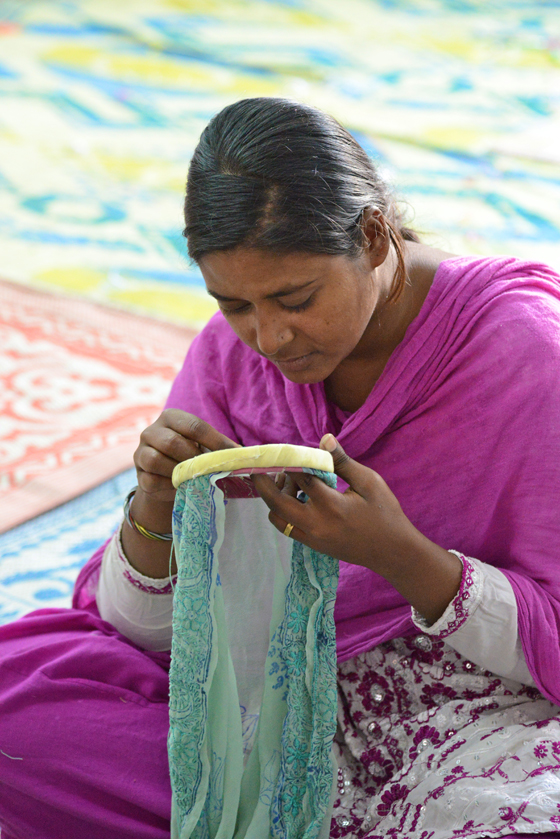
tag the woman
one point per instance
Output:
(433, 381)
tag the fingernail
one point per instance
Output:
(328, 442)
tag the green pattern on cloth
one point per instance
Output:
(285, 790)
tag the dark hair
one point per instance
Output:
(281, 176)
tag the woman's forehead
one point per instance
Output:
(245, 268)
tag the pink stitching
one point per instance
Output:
(460, 604)
(166, 589)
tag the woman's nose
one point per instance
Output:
(272, 334)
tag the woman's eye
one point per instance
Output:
(245, 307)
(300, 306)
(238, 310)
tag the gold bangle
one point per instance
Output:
(143, 531)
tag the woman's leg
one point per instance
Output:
(83, 734)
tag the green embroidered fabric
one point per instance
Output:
(286, 788)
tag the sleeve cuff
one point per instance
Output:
(139, 607)
(463, 605)
(150, 585)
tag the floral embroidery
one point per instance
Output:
(305, 782)
(396, 792)
(166, 589)
(300, 688)
(449, 751)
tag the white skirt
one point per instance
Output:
(430, 746)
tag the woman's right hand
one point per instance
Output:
(175, 436)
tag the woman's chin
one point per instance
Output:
(302, 370)
(305, 377)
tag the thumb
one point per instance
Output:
(349, 470)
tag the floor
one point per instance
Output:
(101, 104)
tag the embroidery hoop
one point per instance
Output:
(272, 457)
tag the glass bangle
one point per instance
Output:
(143, 531)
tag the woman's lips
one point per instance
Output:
(295, 365)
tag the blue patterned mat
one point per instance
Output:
(40, 560)
(101, 105)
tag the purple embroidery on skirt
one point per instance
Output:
(429, 748)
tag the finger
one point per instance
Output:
(155, 462)
(281, 525)
(313, 487)
(155, 484)
(283, 505)
(289, 486)
(280, 480)
(166, 442)
(355, 475)
(196, 429)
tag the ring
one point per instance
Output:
(288, 529)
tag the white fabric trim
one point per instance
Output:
(139, 607)
(484, 612)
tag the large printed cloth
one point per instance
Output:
(462, 424)
(253, 629)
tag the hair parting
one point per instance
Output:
(285, 177)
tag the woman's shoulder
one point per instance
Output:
(504, 307)
(488, 316)
(496, 273)
(486, 288)
(218, 355)
(461, 287)
(217, 332)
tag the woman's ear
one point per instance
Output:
(376, 236)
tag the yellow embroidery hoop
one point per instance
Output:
(274, 456)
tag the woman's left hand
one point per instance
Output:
(364, 526)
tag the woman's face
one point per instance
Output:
(306, 313)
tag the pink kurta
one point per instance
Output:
(464, 425)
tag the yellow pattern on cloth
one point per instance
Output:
(102, 104)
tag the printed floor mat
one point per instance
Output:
(40, 560)
(78, 383)
(102, 103)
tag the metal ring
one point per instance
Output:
(288, 529)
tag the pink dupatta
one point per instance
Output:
(463, 424)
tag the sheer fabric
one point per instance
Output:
(232, 594)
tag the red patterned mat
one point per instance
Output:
(78, 383)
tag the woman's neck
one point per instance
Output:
(353, 380)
